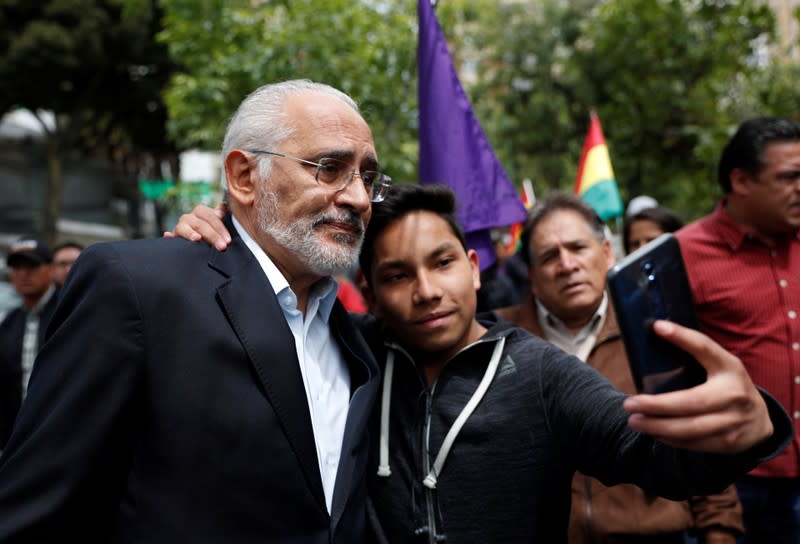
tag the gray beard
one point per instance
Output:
(301, 238)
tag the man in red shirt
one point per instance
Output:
(743, 262)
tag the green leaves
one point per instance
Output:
(228, 49)
(96, 66)
(669, 78)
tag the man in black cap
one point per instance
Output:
(22, 331)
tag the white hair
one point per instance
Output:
(260, 120)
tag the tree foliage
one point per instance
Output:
(95, 65)
(229, 48)
(661, 74)
(670, 79)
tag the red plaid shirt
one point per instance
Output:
(747, 298)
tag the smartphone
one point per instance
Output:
(650, 284)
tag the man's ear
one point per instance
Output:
(739, 182)
(475, 264)
(369, 299)
(608, 252)
(366, 293)
(531, 276)
(241, 177)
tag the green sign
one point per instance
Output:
(154, 189)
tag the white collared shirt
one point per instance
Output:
(325, 375)
(30, 339)
(579, 344)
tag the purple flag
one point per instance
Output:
(453, 149)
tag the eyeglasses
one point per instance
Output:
(336, 175)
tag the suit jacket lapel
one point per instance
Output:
(365, 376)
(255, 315)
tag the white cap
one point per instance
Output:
(639, 203)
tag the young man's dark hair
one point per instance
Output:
(555, 202)
(744, 150)
(402, 200)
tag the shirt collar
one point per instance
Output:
(731, 232)
(42, 301)
(551, 324)
(324, 290)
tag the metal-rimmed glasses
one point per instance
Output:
(336, 175)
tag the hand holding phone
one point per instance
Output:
(647, 285)
(725, 414)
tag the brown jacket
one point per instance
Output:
(617, 514)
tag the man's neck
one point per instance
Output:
(431, 370)
(31, 301)
(574, 324)
(577, 336)
(741, 216)
(433, 363)
(286, 263)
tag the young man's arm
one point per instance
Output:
(692, 442)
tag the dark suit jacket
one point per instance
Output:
(12, 331)
(168, 406)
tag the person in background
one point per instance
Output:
(23, 329)
(499, 286)
(743, 263)
(64, 256)
(646, 225)
(639, 203)
(569, 256)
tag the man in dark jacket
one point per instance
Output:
(22, 331)
(186, 395)
(481, 426)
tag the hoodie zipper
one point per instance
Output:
(426, 463)
(433, 536)
(426, 467)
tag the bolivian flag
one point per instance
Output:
(596, 184)
(515, 231)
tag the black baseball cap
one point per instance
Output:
(30, 250)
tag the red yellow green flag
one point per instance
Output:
(595, 183)
(515, 231)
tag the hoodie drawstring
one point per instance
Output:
(386, 399)
(477, 396)
(431, 479)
